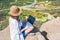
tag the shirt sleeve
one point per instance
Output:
(13, 25)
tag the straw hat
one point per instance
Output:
(15, 11)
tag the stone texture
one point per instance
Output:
(4, 34)
(40, 36)
(50, 28)
(35, 36)
(54, 36)
(31, 36)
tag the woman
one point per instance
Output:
(15, 24)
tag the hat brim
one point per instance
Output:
(12, 14)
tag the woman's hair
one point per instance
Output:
(17, 17)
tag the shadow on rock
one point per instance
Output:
(45, 35)
(35, 30)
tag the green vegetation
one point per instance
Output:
(3, 19)
(23, 16)
(5, 4)
(38, 14)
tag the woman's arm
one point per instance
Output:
(28, 28)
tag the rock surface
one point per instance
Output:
(5, 35)
(35, 36)
(51, 29)
(54, 36)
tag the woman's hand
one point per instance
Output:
(22, 30)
